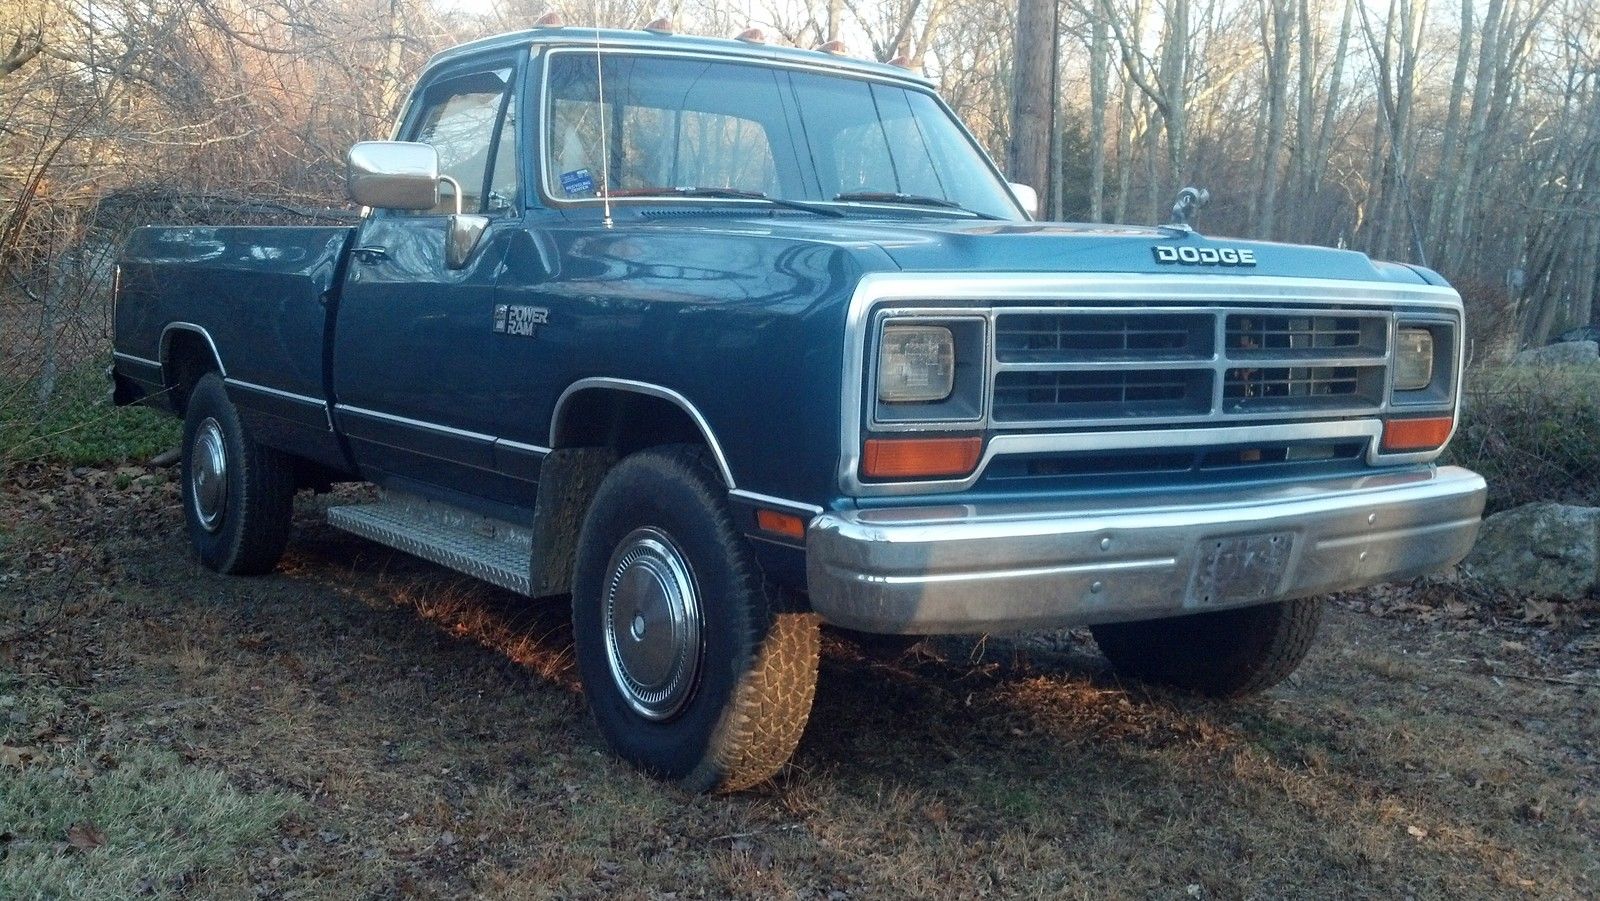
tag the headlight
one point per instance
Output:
(1413, 359)
(916, 364)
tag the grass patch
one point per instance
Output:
(1532, 432)
(78, 425)
(113, 819)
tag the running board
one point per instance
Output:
(489, 549)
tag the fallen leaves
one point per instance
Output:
(17, 757)
(1541, 612)
(85, 836)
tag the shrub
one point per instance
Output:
(77, 424)
(1533, 432)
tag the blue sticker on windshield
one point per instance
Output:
(578, 181)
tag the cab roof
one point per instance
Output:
(612, 38)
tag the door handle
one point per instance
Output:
(371, 253)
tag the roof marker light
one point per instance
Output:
(752, 36)
(662, 25)
(837, 48)
(902, 61)
(551, 19)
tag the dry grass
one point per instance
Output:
(432, 742)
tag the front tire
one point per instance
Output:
(1222, 654)
(238, 496)
(695, 669)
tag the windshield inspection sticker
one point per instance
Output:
(578, 181)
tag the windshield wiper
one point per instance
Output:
(737, 194)
(908, 200)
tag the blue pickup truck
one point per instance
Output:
(727, 341)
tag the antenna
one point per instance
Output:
(605, 145)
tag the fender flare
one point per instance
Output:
(650, 390)
(163, 350)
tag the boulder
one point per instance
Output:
(1545, 550)
(1566, 353)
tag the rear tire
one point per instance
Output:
(238, 496)
(695, 669)
(1222, 654)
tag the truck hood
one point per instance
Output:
(965, 245)
(985, 246)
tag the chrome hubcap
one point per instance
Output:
(208, 475)
(652, 624)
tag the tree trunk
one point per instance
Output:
(1445, 178)
(1472, 150)
(1099, 46)
(1032, 105)
(1280, 15)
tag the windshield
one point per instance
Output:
(671, 123)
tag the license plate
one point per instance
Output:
(1239, 568)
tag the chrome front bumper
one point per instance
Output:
(981, 568)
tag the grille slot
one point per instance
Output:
(1049, 337)
(1302, 388)
(1279, 335)
(1101, 394)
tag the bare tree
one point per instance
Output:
(1032, 101)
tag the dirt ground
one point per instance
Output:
(365, 725)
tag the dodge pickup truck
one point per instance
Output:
(726, 341)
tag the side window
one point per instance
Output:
(459, 118)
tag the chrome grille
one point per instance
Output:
(1094, 367)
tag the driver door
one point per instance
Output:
(412, 361)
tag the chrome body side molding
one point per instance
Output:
(778, 503)
(276, 392)
(132, 358)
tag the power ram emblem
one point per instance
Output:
(511, 319)
(1204, 256)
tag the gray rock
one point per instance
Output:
(1546, 550)
(1566, 353)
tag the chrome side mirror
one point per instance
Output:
(465, 230)
(1026, 196)
(393, 175)
(401, 175)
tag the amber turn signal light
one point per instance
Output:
(904, 458)
(786, 524)
(1422, 434)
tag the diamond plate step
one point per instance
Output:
(495, 551)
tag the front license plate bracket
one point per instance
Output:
(1239, 568)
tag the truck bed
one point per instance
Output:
(257, 299)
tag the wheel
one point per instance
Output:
(694, 668)
(238, 497)
(1223, 654)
